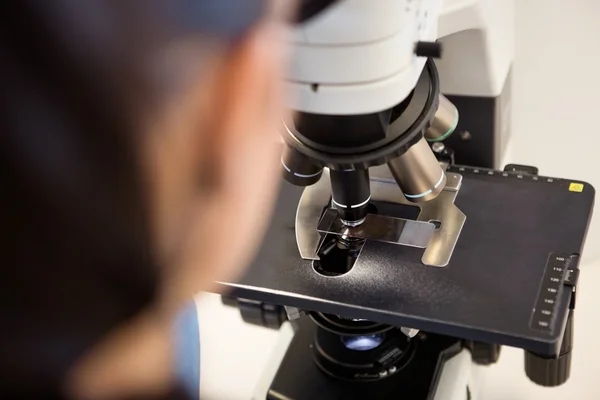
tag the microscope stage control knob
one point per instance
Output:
(551, 372)
(548, 372)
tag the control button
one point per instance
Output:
(428, 49)
(524, 169)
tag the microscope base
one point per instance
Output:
(442, 369)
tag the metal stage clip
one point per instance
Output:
(437, 227)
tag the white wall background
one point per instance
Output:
(556, 93)
(556, 105)
(556, 127)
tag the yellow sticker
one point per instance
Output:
(576, 187)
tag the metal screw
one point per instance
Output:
(438, 147)
(410, 332)
(465, 135)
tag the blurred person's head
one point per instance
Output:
(139, 158)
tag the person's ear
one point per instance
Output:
(235, 109)
(246, 103)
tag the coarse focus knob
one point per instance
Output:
(262, 314)
(484, 353)
(552, 371)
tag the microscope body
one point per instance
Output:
(422, 291)
(355, 73)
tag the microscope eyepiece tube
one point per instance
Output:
(351, 193)
(418, 173)
(444, 122)
(298, 169)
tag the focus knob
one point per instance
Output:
(552, 371)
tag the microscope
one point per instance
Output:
(401, 254)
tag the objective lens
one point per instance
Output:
(362, 343)
(298, 169)
(351, 193)
(418, 173)
(444, 121)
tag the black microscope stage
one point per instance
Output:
(509, 280)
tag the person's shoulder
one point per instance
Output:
(187, 345)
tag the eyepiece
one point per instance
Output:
(418, 173)
(298, 169)
(444, 121)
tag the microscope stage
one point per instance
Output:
(509, 280)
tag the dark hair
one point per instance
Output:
(76, 250)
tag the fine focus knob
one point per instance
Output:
(552, 371)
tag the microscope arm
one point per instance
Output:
(358, 57)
